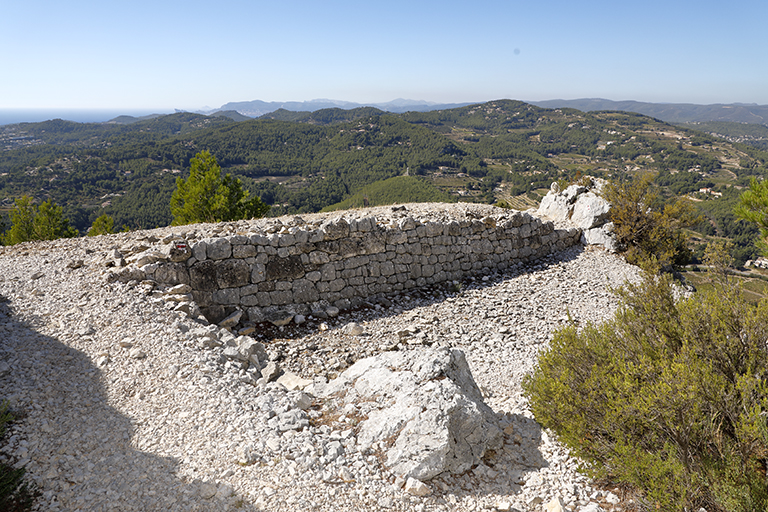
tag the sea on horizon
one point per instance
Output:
(12, 116)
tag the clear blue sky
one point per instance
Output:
(165, 54)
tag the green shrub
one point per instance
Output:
(15, 494)
(645, 226)
(668, 397)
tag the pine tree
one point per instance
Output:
(46, 222)
(103, 225)
(207, 197)
(22, 220)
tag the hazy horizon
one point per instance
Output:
(85, 115)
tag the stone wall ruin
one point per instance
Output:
(277, 268)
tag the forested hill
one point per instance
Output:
(301, 162)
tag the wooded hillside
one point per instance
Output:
(302, 162)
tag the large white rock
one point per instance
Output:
(602, 235)
(423, 407)
(590, 210)
(558, 205)
(583, 208)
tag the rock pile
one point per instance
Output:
(583, 207)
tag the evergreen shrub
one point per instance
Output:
(646, 226)
(669, 397)
(16, 495)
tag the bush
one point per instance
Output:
(668, 397)
(15, 494)
(646, 227)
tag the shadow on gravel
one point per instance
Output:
(501, 474)
(78, 448)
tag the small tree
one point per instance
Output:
(753, 206)
(103, 225)
(207, 197)
(645, 226)
(46, 222)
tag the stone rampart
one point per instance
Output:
(336, 261)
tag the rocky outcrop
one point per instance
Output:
(421, 409)
(583, 207)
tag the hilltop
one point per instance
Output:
(256, 108)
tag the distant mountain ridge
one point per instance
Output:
(670, 112)
(667, 112)
(258, 108)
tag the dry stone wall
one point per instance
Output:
(338, 261)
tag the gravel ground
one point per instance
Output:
(128, 405)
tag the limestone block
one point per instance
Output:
(286, 240)
(429, 403)
(258, 273)
(283, 285)
(281, 298)
(301, 236)
(284, 268)
(366, 224)
(318, 257)
(232, 273)
(249, 300)
(218, 248)
(258, 240)
(199, 250)
(202, 276)
(335, 229)
(304, 291)
(590, 210)
(226, 296)
(248, 289)
(243, 251)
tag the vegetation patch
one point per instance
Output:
(16, 495)
(669, 397)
